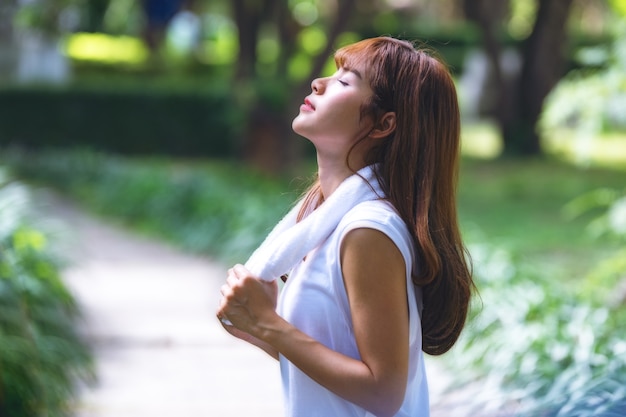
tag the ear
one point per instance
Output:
(385, 126)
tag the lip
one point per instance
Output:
(308, 106)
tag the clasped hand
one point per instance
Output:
(247, 302)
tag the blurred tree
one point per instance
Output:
(249, 16)
(8, 50)
(7, 11)
(520, 96)
(588, 103)
(268, 141)
(118, 17)
(95, 11)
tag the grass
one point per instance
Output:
(519, 204)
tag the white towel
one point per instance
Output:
(290, 241)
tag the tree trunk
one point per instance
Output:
(95, 11)
(543, 59)
(247, 34)
(519, 97)
(8, 47)
(269, 142)
(288, 30)
(249, 15)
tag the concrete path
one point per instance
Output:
(150, 317)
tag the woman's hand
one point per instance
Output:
(248, 304)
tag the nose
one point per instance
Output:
(317, 85)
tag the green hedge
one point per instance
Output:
(136, 120)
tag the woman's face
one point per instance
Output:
(331, 115)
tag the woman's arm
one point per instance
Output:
(374, 275)
(250, 339)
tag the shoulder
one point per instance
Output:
(378, 215)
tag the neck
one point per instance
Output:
(332, 173)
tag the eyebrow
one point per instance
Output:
(355, 72)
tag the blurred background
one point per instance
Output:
(173, 117)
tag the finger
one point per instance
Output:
(237, 295)
(221, 307)
(231, 297)
(232, 281)
(241, 271)
(226, 291)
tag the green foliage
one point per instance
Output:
(618, 6)
(41, 353)
(612, 203)
(538, 345)
(591, 102)
(43, 16)
(145, 118)
(543, 346)
(608, 277)
(518, 205)
(535, 337)
(221, 209)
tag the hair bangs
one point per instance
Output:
(359, 56)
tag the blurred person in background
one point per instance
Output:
(158, 15)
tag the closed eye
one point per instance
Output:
(343, 83)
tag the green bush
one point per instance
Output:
(552, 350)
(142, 119)
(608, 225)
(537, 346)
(221, 209)
(41, 352)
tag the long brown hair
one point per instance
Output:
(418, 170)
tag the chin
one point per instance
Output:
(297, 127)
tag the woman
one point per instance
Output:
(387, 277)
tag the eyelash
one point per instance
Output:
(343, 83)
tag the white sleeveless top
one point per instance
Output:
(314, 300)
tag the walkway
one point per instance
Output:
(149, 314)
